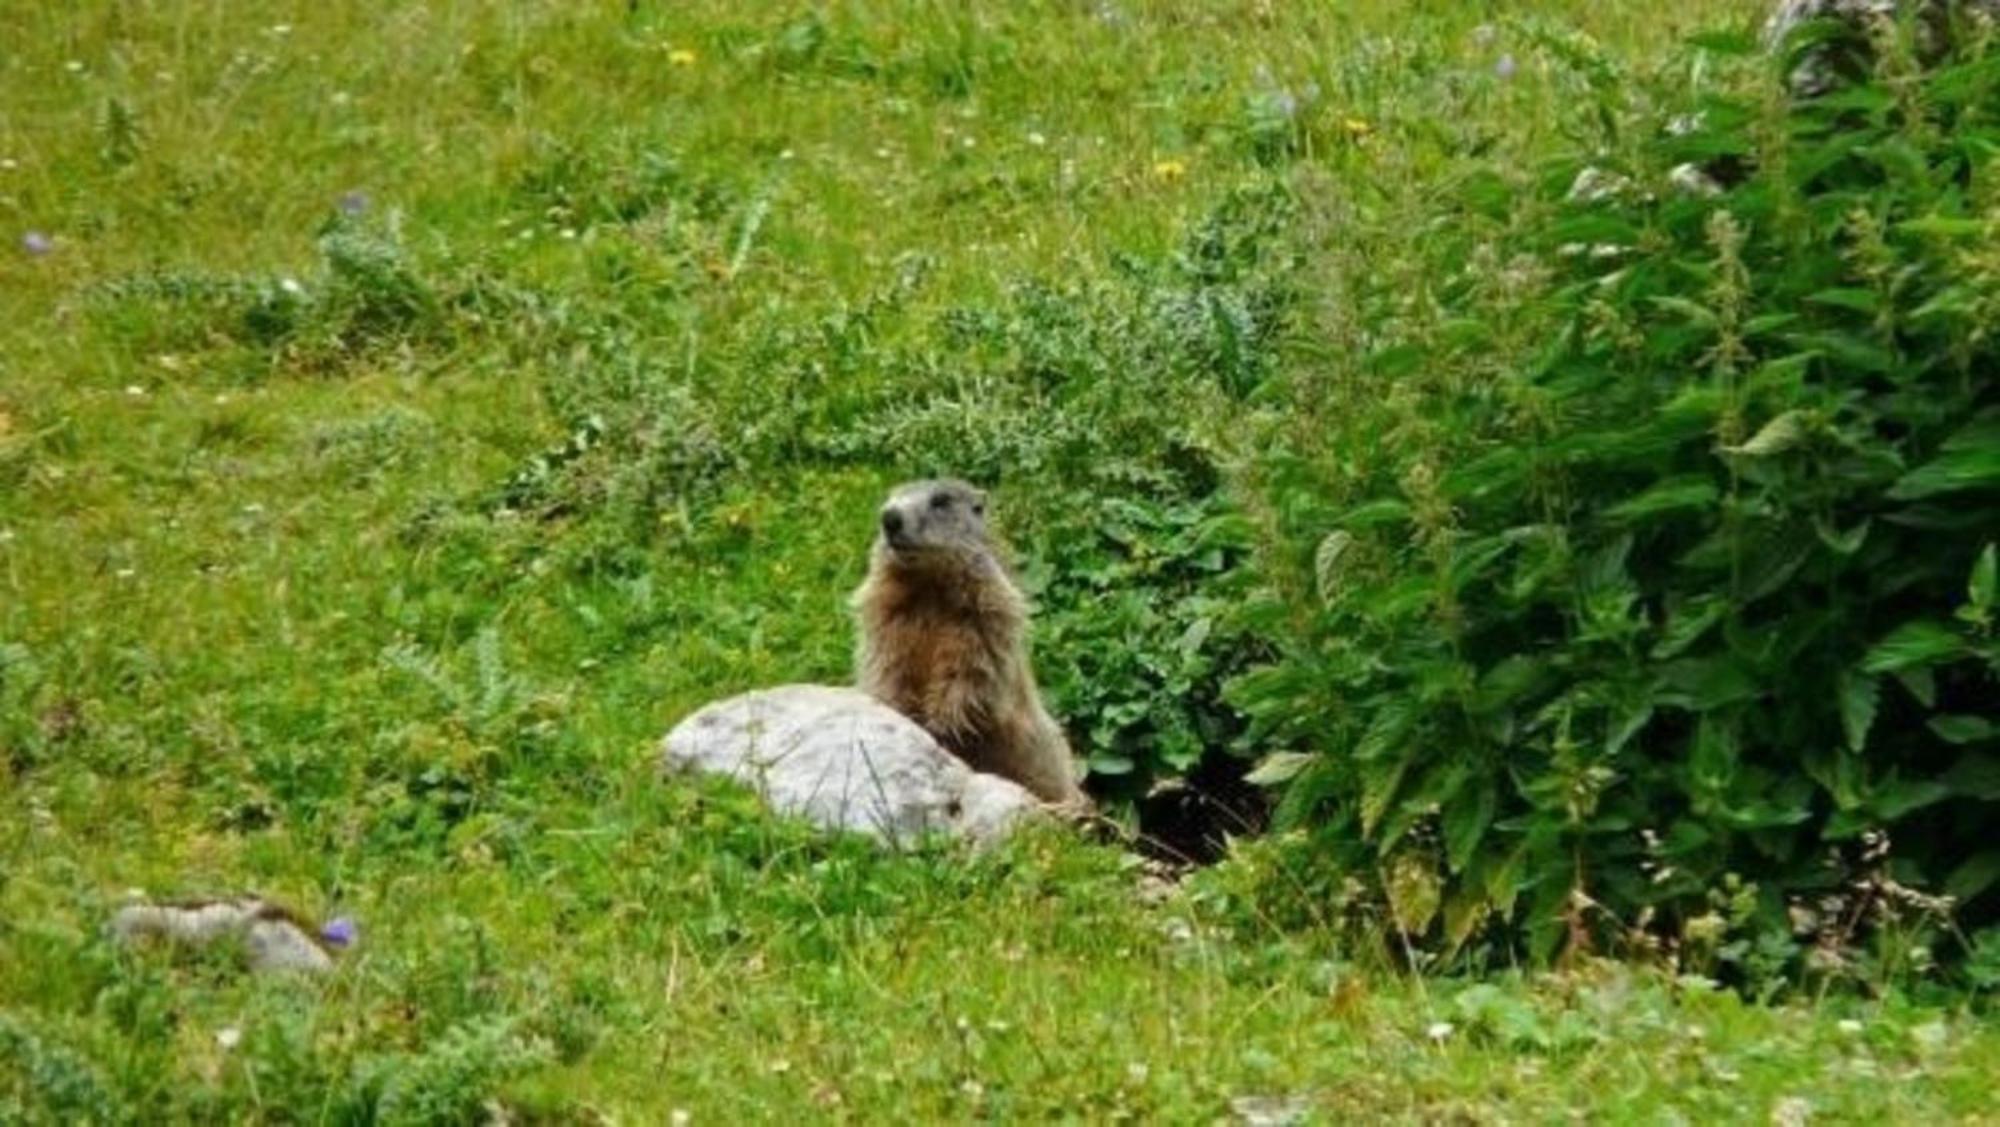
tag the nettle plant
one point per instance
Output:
(1655, 559)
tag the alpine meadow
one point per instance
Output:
(1508, 495)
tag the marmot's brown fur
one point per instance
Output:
(944, 640)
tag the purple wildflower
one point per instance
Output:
(338, 931)
(352, 203)
(1505, 68)
(37, 244)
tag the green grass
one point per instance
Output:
(261, 625)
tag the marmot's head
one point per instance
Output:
(927, 522)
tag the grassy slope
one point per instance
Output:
(232, 666)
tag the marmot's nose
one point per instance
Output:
(892, 522)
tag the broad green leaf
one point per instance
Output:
(1687, 624)
(1849, 350)
(1954, 470)
(1712, 760)
(1859, 697)
(1844, 543)
(1326, 562)
(1464, 822)
(1920, 643)
(1920, 683)
(1108, 763)
(1858, 300)
(1962, 729)
(1379, 781)
(1944, 225)
(1773, 561)
(1384, 739)
(1464, 910)
(1687, 309)
(1981, 588)
(1280, 767)
(1974, 875)
(1782, 433)
(1375, 513)
(1898, 797)
(1900, 159)
(1975, 775)
(1675, 493)
(1628, 720)
(1708, 683)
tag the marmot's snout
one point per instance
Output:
(893, 528)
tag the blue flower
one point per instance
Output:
(37, 244)
(339, 931)
(353, 202)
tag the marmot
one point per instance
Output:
(944, 640)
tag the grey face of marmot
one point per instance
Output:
(932, 521)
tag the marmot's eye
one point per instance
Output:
(978, 510)
(941, 501)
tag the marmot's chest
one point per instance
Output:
(934, 648)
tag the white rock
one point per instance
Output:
(271, 939)
(845, 761)
(1823, 65)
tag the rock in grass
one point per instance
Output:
(1847, 56)
(270, 937)
(845, 761)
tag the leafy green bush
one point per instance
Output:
(1651, 539)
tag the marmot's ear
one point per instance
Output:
(979, 501)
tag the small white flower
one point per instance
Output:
(6, 536)
(281, 29)
(1439, 1032)
(125, 573)
(1850, 1027)
(1792, 1111)
(135, 391)
(883, 153)
(291, 286)
(679, 1117)
(228, 1037)
(8, 164)
(567, 232)
(73, 66)
(1037, 140)
(786, 155)
(1689, 179)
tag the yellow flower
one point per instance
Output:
(1356, 127)
(1170, 170)
(681, 57)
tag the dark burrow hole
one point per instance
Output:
(1189, 821)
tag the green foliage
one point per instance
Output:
(406, 415)
(1658, 546)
